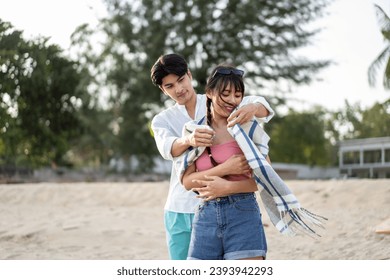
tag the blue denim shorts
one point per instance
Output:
(228, 228)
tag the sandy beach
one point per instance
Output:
(73, 221)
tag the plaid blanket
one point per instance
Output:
(282, 206)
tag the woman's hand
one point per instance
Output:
(236, 165)
(214, 187)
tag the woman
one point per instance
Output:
(227, 227)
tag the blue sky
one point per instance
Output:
(350, 38)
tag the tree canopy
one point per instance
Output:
(39, 94)
(47, 115)
(299, 137)
(356, 122)
(259, 36)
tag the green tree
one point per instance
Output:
(300, 138)
(40, 95)
(376, 121)
(343, 124)
(384, 57)
(260, 36)
(354, 122)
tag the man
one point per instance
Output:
(171, 74)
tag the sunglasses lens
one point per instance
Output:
(225, 71)
(238, 72)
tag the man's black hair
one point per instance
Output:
(168, 64)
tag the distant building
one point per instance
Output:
(294, 171)
(365, 158)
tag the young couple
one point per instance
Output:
(221, 136)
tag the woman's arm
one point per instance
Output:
(218, 187)
(215, 186)
(235, 165)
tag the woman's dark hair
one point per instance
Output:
(168, 64)
(221, 77)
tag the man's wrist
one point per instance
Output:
(179, 146)
(261, 110)
(187, 141)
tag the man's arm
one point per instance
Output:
(198, 138)
(164, 136)
(251, 106)
(170, 145)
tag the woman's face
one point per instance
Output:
(226, 101)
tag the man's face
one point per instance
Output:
(178, 88)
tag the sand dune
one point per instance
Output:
(125, 221)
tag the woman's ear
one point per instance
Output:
(208, 94)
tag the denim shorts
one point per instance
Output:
(228, 228)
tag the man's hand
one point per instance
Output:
(246, 113)
(201, 137)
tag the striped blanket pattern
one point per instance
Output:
(282, 206)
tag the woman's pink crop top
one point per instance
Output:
(221, 153)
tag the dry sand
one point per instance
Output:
(125, 221)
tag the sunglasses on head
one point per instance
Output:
(228, 71)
